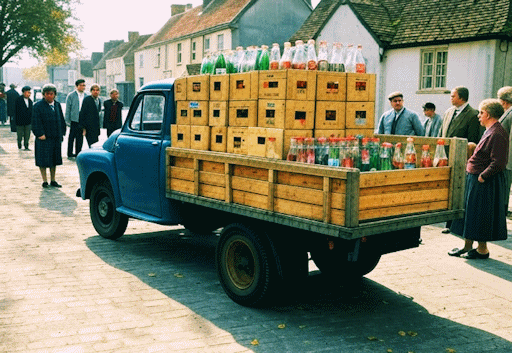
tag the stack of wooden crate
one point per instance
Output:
(240, 113)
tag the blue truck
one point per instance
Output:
(261, 251)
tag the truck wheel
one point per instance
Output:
(335, 263)
(243, 265)
(106, 220)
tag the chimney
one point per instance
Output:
(177, 9)
(133, 36)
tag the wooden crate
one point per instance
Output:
(198, 112)
(271, 113)
(257, 141)
(243, 113)
(300, 115)
(243, 86)
(180, 136)
(364, 132)
(272, 84)
(218, 113)
(198, 88)
(237, 140)
(219, 87)
(301, 85)
(329, 132)
(331, 86)
(182, 113)
(288, 134)
(330, 115)
(360, 87)
(180, 89)
(278, 135)
(360, 115)
(218, 139)
(200, 137)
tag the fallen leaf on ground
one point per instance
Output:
(255, 342)
(281, 326)
(402, 333)
(178, 275)
(412, 333)
(372, 338)
(152, 274)
(450, 350)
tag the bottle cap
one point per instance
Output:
(425, 147)
(440, 142)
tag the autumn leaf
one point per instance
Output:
(372, 338)
(402, 333)
(450, 350)
(412, 333)
(389, 350)
(178, 275)
(281, 326)
(152, 274)
(255, 342)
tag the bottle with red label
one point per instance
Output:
(292, 153)
(440, 158)
(312, 63)
(310, 150)
(301, 150)
(398, 157)
(365, 155)
(275, 56)
(426, 158)
(264, 61)
(410, 154)
(360, 61)
(299, 58)
(386, 156)
(286, 59)
(321, 151)
(350, 60)
(323, 63)
(336, 64)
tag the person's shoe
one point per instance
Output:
(457, 252)
(45, 185)
(28, 149)
(55, 184)
(474, 254)
(446, 231)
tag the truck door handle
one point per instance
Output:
(154, 143)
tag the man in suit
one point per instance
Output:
(433, 122)
(112, 118)
(90, 116)
(460, 121)
(505, 98)
(74, 102)
(23, 117)
(399, 120)
(12, 95)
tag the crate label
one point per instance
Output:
(360, 117)
(332, 87)
(193, 105)
(360, 85)
(330, 115)
(196, 86)
(179, 87)
(240, 84)
(271, 105)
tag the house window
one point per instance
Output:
(157, 64)
(433, 69)
(193, 51)
(220, 42)
(141, 81)
(141, 60)
(206, 46)
(178, 58)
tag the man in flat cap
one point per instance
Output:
(399, 120)
(434, 120)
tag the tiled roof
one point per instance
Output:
(218, 12)
(403, 23)
(102, 64)
(129, 56)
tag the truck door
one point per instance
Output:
(137, 155)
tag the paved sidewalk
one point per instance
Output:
(65, 289)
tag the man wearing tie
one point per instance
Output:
(433, 122)
(89, 120)
(399, 120)
(74, 102)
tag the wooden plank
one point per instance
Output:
(196, 176)
(300, 194)
(402, 198)
(402, 210)
(457, 159)
(250, 172)
(211, 191)
(428, 185)
(184, 162)
(213, 167)
(403, 176)
(249, 199)
(352, 200)
(182, 186)
(228, 172)
(298, 209)
(212, 179)
(338, 201)
(250, 185)
(338, 185)
(272, 177)
(181, 173)
(296, 179)
(338, 217)
(327, 200)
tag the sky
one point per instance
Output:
(105, 20)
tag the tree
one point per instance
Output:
(42, 27)
(36, 73)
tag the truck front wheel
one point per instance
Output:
(109, 223)
(243, 265)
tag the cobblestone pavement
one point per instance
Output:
(65, 289)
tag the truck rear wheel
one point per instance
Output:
(109, 223)
(243, 265)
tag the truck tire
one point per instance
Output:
(109, 223)
(244, 265)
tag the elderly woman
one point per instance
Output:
(49, 128)
(485, 217)
(505, 97)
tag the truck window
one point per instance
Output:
(149, 113)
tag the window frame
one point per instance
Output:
(140, 114)
(158, 57)
(193, 51)
(141, 60)
(220, 39)
(179, 49)
(438, 70)
(206, 45)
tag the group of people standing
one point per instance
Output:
(48, 122)
(489, 165)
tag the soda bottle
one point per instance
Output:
(264, 62)
(292, 153)
(321, 151)
(258, 57)
(238, 57)
(334, 152)
(205, 65)
(375, 154)
(440, 158)
(312, 63)
(220, 65)
(350, 61)
(385, 156)
(365, 155)
(410, 154)
(230, 62)
(360, 61)
(426, 159)
(398, 158)
(336, 63)
(310, 150)
(286, 59)
(323, 63)
(301, 150)
(275, 57)
(272, 149)
(299, 58)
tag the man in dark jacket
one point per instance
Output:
(23, 116)
(112, 118)
(89, 120)
(12, 95)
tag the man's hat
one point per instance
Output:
(429, 105)
(395, 94)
